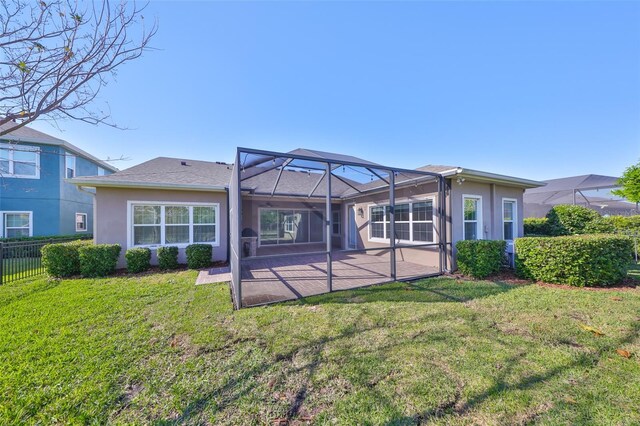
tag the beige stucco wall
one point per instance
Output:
(422, 256)
(492, 196)
(110, 224)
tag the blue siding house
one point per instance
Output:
(35, 198)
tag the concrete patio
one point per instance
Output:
(269, 280)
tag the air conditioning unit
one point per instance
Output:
(510, 254)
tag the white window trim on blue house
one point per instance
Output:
(3, 216)
(11, 149)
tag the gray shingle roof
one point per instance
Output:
(294, 183)
(170, 171)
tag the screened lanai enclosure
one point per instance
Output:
(309, 222)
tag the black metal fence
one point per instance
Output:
(23, 259)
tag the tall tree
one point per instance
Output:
(55, 56)
(630, 184)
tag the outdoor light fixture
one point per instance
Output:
(360, 212)
(460, 180)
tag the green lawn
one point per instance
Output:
(158, 349)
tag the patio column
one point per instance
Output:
(392, 218)
(328, 220)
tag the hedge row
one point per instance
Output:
(99, 260)
(573, 220)
(480, 258)
(579, 260)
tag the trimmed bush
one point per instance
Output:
(98, 260)
(199, 256)
(579, 260)
(625, 223)
(480, 258)
(167, 257)
(566, 219)
(138, 259)
(536, 226)
(62, 259)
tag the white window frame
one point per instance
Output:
(411, 202)
(336, 214)
(3, 230)
(162, 205)
(12, 148)
(261, 209)
(479, 223)
(514, 220)
(101, 171)
(67, 156)
(86, 224)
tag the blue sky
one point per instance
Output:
(533, 89)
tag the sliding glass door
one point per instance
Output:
(284, 226)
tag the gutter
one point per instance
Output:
(492, 177)
(95, 183)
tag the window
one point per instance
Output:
(81, 222)
(509, 219)
(472, 217)
(16, 224)
(281, 226)
(336, 222)
(414, 222)
(101, 171)
(173, 224)
(70, 166)
(19, 161)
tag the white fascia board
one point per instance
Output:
(144, 185)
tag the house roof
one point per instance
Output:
(166, 172)
(170, 173)
(583, 182)
(28, 135)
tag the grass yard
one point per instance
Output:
(158, 349)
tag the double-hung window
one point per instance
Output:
(16, 224)
(414, 222)
(174, 224)
(101, 171)
(69, 166)
(336, 222)
(509, 212)
(19, 161)
(81, 222)
(472, 217)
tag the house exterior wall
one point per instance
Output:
(427, 256)
(111, 224)
(51, 201)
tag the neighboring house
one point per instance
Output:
(593, 191)
(281, 221)
(35, 199)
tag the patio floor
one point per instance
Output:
(270, 280)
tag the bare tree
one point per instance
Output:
(56, 56)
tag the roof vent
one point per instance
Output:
(183, 163)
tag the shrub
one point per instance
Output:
(625, 223)
(62, 259)
(566, 219)
(98, 260)
(579, 260)
(138, 259)
(167, 257)
(536, 226)
(199, 256)
(480, 258)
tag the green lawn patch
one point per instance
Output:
(158, 349)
